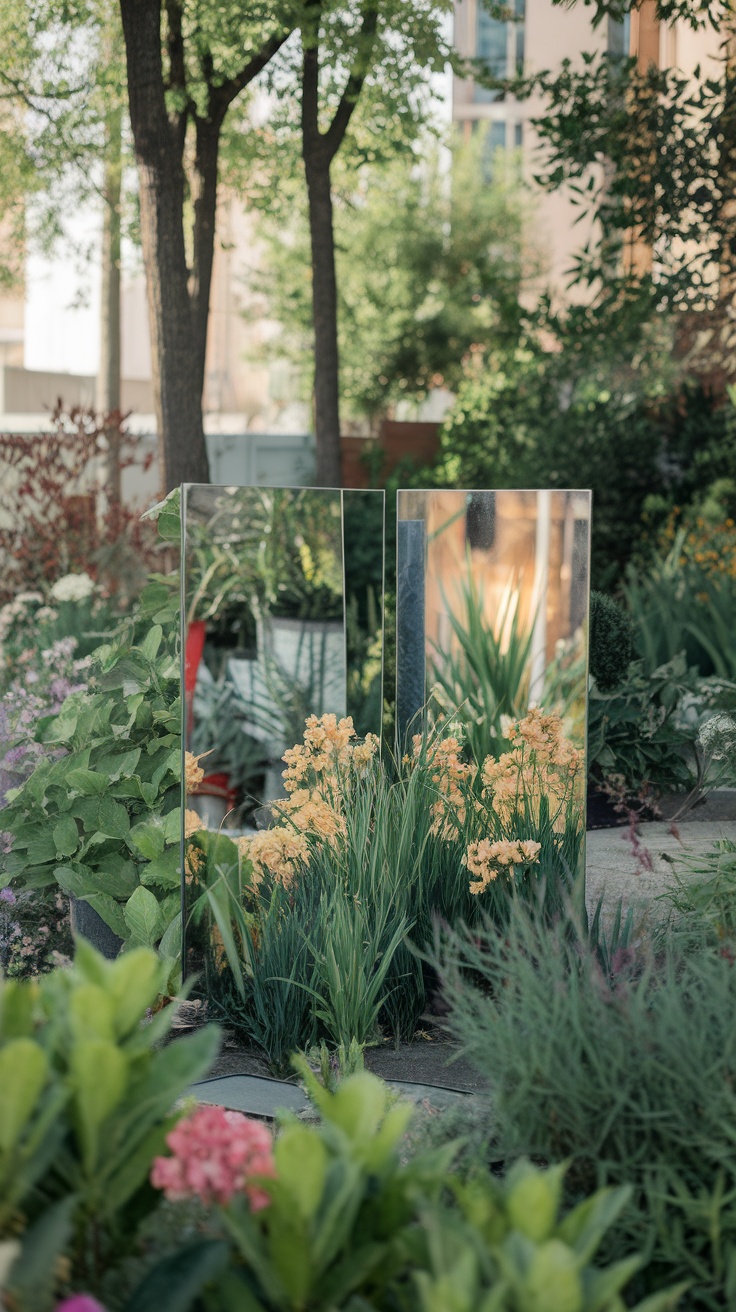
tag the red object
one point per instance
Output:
(218, 785)
(192, 657)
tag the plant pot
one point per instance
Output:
(88, 924)
(213, 799)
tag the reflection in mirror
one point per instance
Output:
(498, 584)
(363, 555)
(264, 643)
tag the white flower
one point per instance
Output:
(73, 587)
(718, 736)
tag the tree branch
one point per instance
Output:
(335, 134)
(222, 96)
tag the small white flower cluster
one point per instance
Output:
(717, 737)
(73, 587)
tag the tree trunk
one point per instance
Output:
(158, 148)
(324, 311)
(108, 378)
(204, 197)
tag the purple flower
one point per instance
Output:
(7, 895)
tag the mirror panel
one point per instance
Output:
(497, 583)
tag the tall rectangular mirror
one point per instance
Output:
(493, 591)
(283, 619)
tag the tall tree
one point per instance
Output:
(359, 82)
(187, 64)
(649, 153)
(431, 258)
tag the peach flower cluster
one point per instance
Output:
(215, 1155)
(542, 762)
(193, 773)
(278, 852)
(447, 773)
(486, 859)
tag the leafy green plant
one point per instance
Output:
(699, 905)
(87, 1092)
(345, 1223)
(611, 641)
(629, 1076)
(679, 606)
(638, 746)
(485, 675)
(100, 814)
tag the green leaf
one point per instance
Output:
(151, 643)
(110, 911)
(173, 1285)
(42, 849)
(301, 1161)
(165, 872)
(86, 782)
(65, 836)
(113, 819)
(143, 917)
(24, 1070)
(149, 838)
(170, 945)
(98, 1074)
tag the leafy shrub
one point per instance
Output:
(638, 745)
(86, 1094)
(333, 1218)
(611, 641)
(48, 506)
(680, 605)
(100, 814)
(529, 417)
(631, 1078)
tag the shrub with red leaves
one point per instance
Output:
(55, 518)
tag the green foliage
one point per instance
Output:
(699, 905)
(611, 641)
(86, 1092)
(629, 1077)
(678, 606)
(427, 269)
(350, 1225)
(330, 956)
(100, 814)
(638, 745)
(530, 417)
(485, 675)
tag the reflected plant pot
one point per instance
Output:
(86, 923)
(213, 799)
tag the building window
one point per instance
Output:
(494, 140)
(500, 45)
(619, 37)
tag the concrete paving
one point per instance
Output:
(639, 867)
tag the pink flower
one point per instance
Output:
(216, 1153)
(80, 1303)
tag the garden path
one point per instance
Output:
(638, 867)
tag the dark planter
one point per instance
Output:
(87, 924)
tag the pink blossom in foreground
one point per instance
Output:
(215, 1155)
(80, 1303)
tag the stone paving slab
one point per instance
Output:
(258, 1096)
